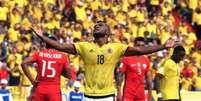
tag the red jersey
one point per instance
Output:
(135, 68)
(50, 66)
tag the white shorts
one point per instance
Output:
(109, 98)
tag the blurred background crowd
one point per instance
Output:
(72, 21)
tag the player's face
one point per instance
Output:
(100, 29)
(181, 56)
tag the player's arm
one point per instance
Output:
(25, 69)
(158, 78)
(147, 50)
(67, 72)
(69, 48)
(119, 80)
(149, 85)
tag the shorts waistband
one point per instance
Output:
(97, 97)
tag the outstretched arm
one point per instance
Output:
(69, 48)
(147, 50)
(158, 77)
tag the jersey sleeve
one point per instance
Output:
(122, 67)
(73, 74)
(66, 61)
(35, 55)
(161, 68)
(79, 47)
(148, 65)
(121, 48)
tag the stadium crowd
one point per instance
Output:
(72, 21)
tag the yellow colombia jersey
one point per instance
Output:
(169, 84)
(99, 65)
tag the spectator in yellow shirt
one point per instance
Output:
(13, 33)
(4, 14)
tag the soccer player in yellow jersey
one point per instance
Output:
(100, 58)
(168, 76)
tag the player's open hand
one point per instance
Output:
(170, 43)
(37, 30)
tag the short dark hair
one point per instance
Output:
(139, 39)
(109, 32)
(178, 49)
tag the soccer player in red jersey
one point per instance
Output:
(51, 65)
(135, 69)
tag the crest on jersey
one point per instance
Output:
(109, 50)
(91, 50)
(144, 65)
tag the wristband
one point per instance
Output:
(159, 95)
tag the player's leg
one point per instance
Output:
(128, 96)
(54, 96)
(37, 94)
(140, 96)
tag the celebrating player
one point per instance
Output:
(100, 58)
(51, 64)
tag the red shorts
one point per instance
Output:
(131, 98)
(46, 93)
(134, 95)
